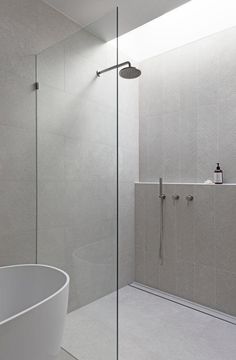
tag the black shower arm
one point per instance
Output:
(113, 67)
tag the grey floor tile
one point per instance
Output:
(150, 328)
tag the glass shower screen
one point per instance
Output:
(77, 179)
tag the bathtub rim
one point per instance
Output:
(67, 281)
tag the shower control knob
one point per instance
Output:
(189, 198)
(175, 197)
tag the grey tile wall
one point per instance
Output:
(23, 33)
(199, 242)
(17, 163)
(187, 111)
(77, 166)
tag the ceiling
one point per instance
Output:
(132, 13)
(29, 26)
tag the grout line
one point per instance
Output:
(190, 306)
(68, 353)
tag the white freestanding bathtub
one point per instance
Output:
(33, 306)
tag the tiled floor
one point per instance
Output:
(151, 328)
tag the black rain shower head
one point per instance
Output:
(128, 72)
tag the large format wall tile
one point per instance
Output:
(167, 276)
(185, 224)
(52, 247)
(171, 81)
(208, 69)
(94, 266)
(126, 222)
(17, 222)
(128, 131)
(18, 247)
(226, 291)
(170, 221)
(84, 44)
(20, 65)
(90, 121)
(171, 146)
(204, 225)
(126, 273)
(140, 231)
(51, 72)
(188, 69)
(87, 201)
(143, 151)
(185, 279)
(17, 144)
(188, 143)
(207, 141)
(128, 164)
(151, 82)
(227, 57)
(85, 233)
(227, 138)
(198, 246)
(17, 206)
(17, 101)
(129, 104)
(150, 148)
(86, 161)
(187, 112)
(77, 155)
(51, 205)
(55, 110)
(192, 90)
(51, 157)
(81, 79)
(205, 285)
(17, 154)
(225, 225)
(154, 146)
(152, 243)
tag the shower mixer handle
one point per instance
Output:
(189, 197)
(175, 197)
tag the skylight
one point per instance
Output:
(189, 22)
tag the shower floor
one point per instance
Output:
(151, 328)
